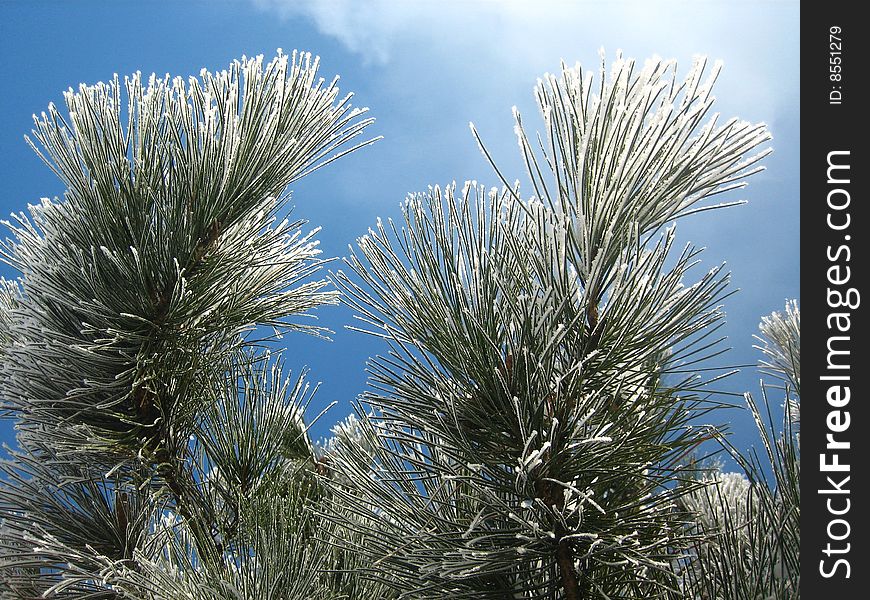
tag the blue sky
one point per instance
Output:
(425, 69)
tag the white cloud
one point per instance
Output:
(755, 40)
(376, 29)
(369, 28)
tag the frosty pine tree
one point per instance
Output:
(528, 432)
(161, 454)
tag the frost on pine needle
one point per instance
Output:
(527, 431)
(780, 343)
(723, 499)
(756, 514)
(132, 340)
(10, 296)
(549, 340)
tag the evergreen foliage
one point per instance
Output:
(160, 452)
(750, 522)
(526, 435)
(529, 430)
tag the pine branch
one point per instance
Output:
(518, 438)
(139, 291)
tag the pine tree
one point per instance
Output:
(529, 431)
(161, 448)
(526, 435)
(750, 521)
